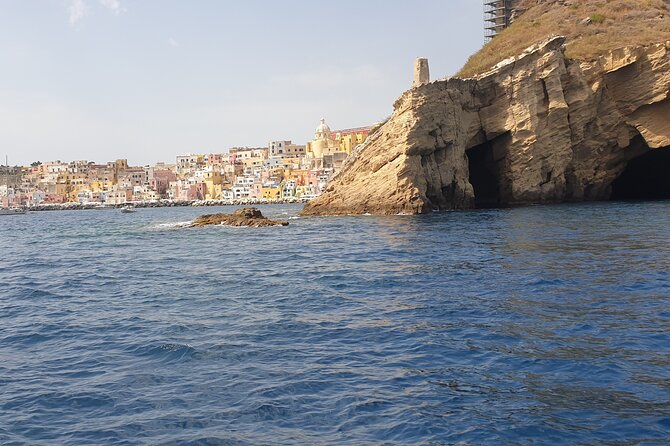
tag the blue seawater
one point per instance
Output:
(536, 325)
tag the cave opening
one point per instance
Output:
(646, 177)
(485, 175)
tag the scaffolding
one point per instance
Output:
(497, 16)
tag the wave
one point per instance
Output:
(174, 225)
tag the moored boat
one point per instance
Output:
(12, 211)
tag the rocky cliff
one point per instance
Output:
(536, 128)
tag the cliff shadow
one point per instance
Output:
(487, 167)
(645, 177)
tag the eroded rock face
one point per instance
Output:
(539, 128)
(242, 217)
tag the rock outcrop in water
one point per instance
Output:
(242, 217)
(538, 128)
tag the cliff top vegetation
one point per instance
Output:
(592, 28)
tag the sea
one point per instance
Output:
(521, 326)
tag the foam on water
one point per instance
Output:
(174, 225)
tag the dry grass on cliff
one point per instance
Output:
(613, 24)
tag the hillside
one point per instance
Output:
(592, 28)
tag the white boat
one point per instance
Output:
(127, 210)
(14, 210)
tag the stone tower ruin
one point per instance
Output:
(421, 72)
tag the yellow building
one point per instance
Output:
(70, 184)
(290, 163)
(256, 161)
(213, 182)
(100, 186)
(288, 173)
(271, 192)
(348, 139)
(216, 192)
(327, 142)
(323, 142)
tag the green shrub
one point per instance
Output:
(597, 18)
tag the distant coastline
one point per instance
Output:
(164, 204)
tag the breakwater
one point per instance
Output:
(164, 204)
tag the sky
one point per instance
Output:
(147, 80)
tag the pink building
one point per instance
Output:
(196, 191)
(129, 194)
(313, 178)
(256, 190)
(160, 180)
(54, 199)
(215, 159)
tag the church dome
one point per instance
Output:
(322, 131)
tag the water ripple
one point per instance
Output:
(540, 325)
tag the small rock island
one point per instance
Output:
(250, 217)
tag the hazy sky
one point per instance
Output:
(149, 79)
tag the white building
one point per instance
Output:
(242, 153)
(116, 197)
(289, 188)
(241, 191)
(227, 194)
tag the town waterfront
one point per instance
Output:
(537, 325)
